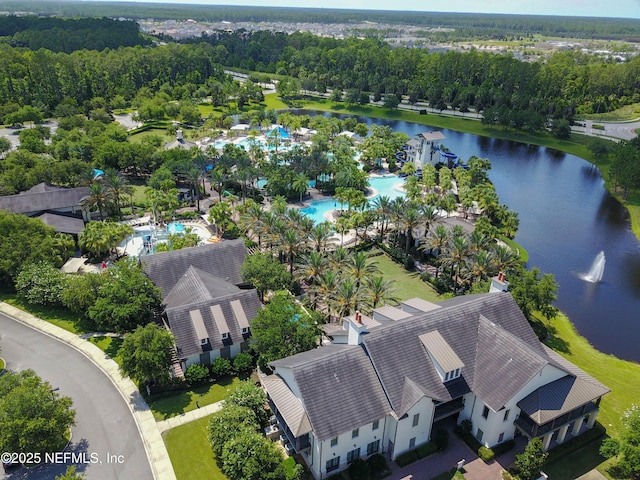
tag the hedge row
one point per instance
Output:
(422, 451)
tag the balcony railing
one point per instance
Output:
(530, 428)
(447, 409)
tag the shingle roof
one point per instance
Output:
(562, 396)
(337, 373)
(181, 324)
(62, 223)
(222, 259)
(288, 405)
(195, 286)
(459, 324)
(432, 136)
(42, 198)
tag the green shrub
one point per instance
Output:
(359, 470)
(377, 464)
(220, 367)
(406, 458)
(441, 439)
(426, 449)
(196, 374)
(503, 447)
(243, 364)
(486, 454)
(610, 448)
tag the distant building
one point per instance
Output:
(180, 142)
(424, 149)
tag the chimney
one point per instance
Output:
(356, 328)
(499, 284)
(179, 135)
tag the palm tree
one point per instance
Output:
(117, 186)
(505, 259)
(456, 256)
(325, 286)
(359, 267)
(342, 225)
(291, 245)
(378, 292)
(410, 221)
(253, 219)
(192, 176)
(429, 215)
(482, 266)
(300, 184)
(438, 240)
(321, 236)
(478, 241)
(96, 199)
(339, 258)
(217, 179)
(382, 206)
(346, 298)
(311, 266)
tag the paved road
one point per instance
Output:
(617, 130)
(103, 420)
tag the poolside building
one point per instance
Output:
(424, 148)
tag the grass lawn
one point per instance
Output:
(170, 404)
(60, 317)
(109, 345)
(577, 464)
(408, 284)
(190, 452)
(137, 137)
(626, 113)
(614, 373)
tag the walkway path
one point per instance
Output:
(147, 426)
(187, 417)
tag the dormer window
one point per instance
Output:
(225, 336)
(204, 341)
(245, 330)
(444, 358)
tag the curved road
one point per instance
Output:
(104, 425)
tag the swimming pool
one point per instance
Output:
(145, 237)
(385, 186)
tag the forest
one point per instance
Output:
(68, 35)
(466, 25)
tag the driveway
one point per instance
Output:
(104, 424)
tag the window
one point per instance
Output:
(479, 435)
(245, 330)
(506, 416)
(355, 433)
(353, 455)
(225, 336)
(204, 341)
(333, 464)
(446, 377)
(501, 437)
(416, 419)
(334, 441)
(373, 447)
(412, 442)
(485, 412)
(376, 424)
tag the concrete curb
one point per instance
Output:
(151, 438)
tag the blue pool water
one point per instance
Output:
(385, 186)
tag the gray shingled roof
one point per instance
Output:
(187, 340)
(222, 259)
(342, 374)
(62, 223)
(557, 398)
(433, 136)
(288, 405)
(198, 286)
(459, 324)
(42, 198)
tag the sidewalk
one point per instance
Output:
(187, 417)
(151, 438)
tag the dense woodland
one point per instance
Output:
(69, 35)
(465, 25)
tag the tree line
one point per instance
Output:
(69, 34)
(477, 25)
